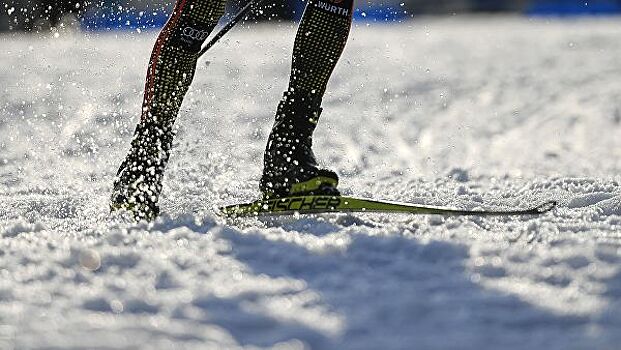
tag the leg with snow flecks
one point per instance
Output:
(138, 183)
(290, 167)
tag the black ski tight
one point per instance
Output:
(319, 42)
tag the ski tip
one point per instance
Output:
(546, 207)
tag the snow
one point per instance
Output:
(467, 112)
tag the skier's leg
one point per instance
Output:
(289, 164)
(171, 69)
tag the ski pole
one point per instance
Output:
(250, 6)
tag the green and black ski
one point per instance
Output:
(341, 204)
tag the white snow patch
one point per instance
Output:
(21, 226)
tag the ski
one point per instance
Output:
(343, 204)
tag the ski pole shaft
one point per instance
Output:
(238, 17)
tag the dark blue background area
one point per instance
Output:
(573, 8)
(110, 19)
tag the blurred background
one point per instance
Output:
(28, 15)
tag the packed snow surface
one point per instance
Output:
(464, 112)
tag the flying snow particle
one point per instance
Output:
(90, 260)
(116, 306)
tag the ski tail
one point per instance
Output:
(339, 204)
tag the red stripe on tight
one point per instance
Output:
(159, 45)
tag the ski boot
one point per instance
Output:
(134, 195)
(138, 182)
(290, 167)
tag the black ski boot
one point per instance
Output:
(138, 181)
(290, 167)
(134, 195)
